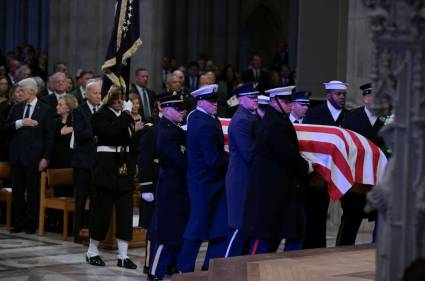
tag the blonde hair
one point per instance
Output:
(70, 101)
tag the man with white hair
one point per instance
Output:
(60, 84)
(31, 129)
(84, 152)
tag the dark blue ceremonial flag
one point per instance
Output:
(125, 41)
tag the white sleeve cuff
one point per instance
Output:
(18, 124)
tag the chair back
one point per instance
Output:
(5, 170)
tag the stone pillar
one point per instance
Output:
(397, 73)
(80, 32)
(322, 41)
(359, 52)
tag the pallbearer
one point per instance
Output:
(299, 106)
(272, 206)
(207, 165)
(241, 134)
(172, 203)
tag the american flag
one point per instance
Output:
(342, 157)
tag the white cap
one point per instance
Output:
(283, 91)
(335, 85)
(205, 92)
(263, 99)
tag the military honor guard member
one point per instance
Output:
(172, 202)
(272, 206)
(206, 173)
(263, 103)
(241, 134)
(361, 120)
(299, 107)
(148, 170)
(316, 198)
(113, 177)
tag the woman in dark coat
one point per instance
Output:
(62, 153)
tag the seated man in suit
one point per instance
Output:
(30, 124)
(84, 152)
(59, 85)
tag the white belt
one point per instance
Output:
(104, 148)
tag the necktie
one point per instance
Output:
(27, 112)
(94, 109)
(146, 107)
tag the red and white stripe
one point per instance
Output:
(342, 157)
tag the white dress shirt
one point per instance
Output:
(334, 111)
(33, 103)
(372, 118)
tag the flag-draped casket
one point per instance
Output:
(342, 157)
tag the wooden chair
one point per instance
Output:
(5, 194)
(50, 179)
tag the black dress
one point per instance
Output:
(62, 153)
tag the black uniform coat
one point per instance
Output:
(357, 121)
(148, 168)
(172, 203)
(272, 208)
(320, 115)
(112, 130)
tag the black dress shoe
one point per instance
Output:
(153, 278)
(146, 269)
(96, 260)
(17, 229)
(126, 263)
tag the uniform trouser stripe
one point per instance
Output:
(148, 253)
(156, 259)
(254, 248)
(231, 243)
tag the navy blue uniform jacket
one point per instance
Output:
(28, 145)
(172, 202)
(320, 115)
(272, 208)
(241, 147)
(205, 177)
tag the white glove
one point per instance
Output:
(128, 105)
(147, 196)
(310, 167)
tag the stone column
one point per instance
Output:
(359, 51)
(80, 32)
(322, 41)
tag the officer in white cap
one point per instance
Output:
(263, 103)
(206, 173)
(272, 206)
(316, 199)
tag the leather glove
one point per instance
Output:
(147, 196)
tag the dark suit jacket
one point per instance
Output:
(112, 130)
(187, 84)
(248, 76)
(77, 93)
(357, 121)
(320, 115)
(4, 134)
(84, 151)
(272, 206)
(172, 205)
(31, 144)
(152, 98)
(51, 101)
(205, 176)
